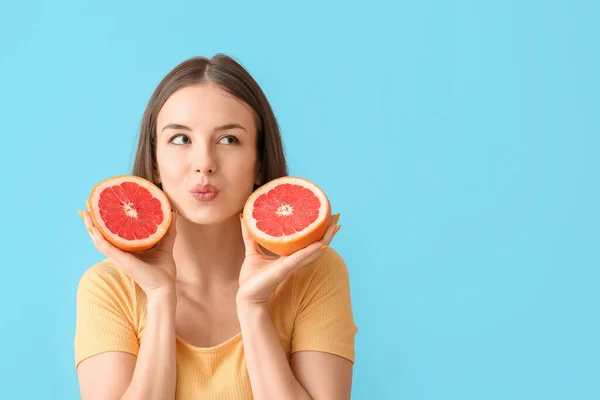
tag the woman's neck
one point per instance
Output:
(208, 256)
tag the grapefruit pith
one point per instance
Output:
(287, 214)
(132, 213)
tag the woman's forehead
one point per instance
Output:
(205, 107)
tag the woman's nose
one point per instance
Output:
(205, 160)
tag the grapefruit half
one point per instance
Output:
(287, 214)
(132, 213)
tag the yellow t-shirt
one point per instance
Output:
(311, 310)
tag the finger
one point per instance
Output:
(249, 242)
(312, 251)
(331, 231)
(167, 242)
(336, 224)
(302, 257)
(84, 222)
(335, 231)
(104, 246)
(98, 240)
(89, 225)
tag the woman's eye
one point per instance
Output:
(175, 139)
(184, 139)
(229, 139)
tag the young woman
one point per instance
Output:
(207, 313)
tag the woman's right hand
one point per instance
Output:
(153, 270)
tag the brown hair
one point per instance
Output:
(232, 77)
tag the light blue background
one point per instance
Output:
(459, 140)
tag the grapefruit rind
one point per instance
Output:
(288, 244)
(119, 242)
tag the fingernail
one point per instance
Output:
(87, 204)
(337, 218)
(337, 228)
(81, 214)
(323, 247)
(90, 231)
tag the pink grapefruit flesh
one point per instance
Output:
(287, 214)
(132, 213)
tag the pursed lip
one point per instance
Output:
(204, 189)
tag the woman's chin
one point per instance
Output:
(208, 217)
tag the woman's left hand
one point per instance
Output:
(261, 274)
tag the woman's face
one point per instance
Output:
(205, 136)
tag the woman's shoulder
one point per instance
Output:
(323, 318)
(105, 278)
(329, 267)
(107, 312)
(329, 270)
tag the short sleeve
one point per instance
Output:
(105, 313)
(324, 319)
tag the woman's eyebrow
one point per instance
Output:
(229, 126)
(176, 126)
(217, 129)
